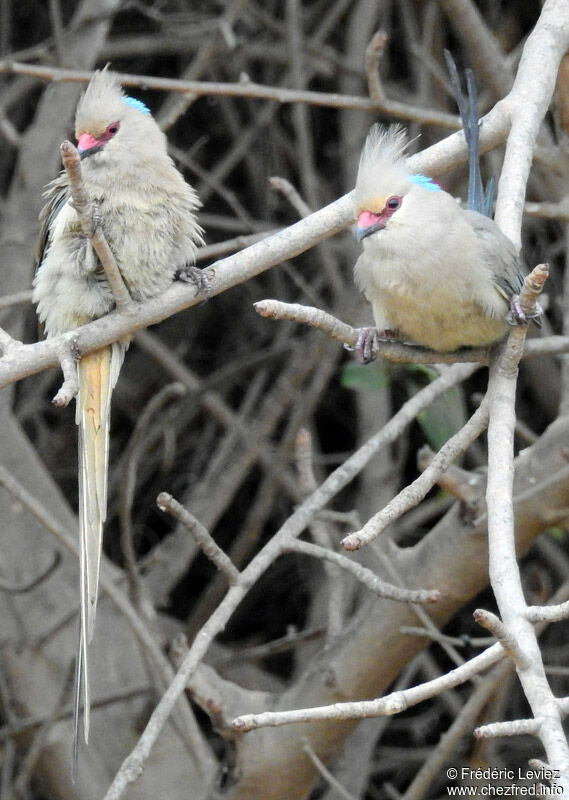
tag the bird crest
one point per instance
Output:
(382, 171)
(104, 100)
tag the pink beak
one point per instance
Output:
(86, 142)
(369, 223)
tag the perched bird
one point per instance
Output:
(436, 274)
(147, 214)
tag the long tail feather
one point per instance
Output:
(479, 199)
(97, 376)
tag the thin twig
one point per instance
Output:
(412, 494)
(461, 727)
(192, 736)
(203, 537)
(287, 190)
(17, 727)
(516, 727)
(292, 528)
(555, 613)
(392, 703)
(321, 533)
(456, 641)
(290, 641)
(374, 54)
(138, 444)
(33, 583)
(463, 485)
(333, 782)
(495, 625)
(246, 88)
(72, 163)
(341, 332)
(366, 576)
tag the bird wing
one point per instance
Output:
(56, 194)
(500, 254)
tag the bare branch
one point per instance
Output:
(292, 528)
(374, 53)
(336, 329)
(202, 536)
(93, 232)
(503, 570)
(246, 88)
(412, 494)
(369, 579)
(390, 704)
(555, 613)
(465, 486)
(517, 727)
(27, 586)
(492, 623)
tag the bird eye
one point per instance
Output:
(112, 129)
(393, 203)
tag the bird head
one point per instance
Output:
(385, 189)
(109, 124)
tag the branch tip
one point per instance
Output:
(532, 288)
(504, 635)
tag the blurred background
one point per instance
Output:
(210, 402)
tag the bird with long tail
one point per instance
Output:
(147, 213)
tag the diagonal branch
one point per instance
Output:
(91, 230)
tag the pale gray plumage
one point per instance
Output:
(147, 213)
(435, 274)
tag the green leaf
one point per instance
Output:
(446, 415)
(558, 533)
(366, 377)
(443, 418)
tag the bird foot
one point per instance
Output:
(96, 217)
(367, 343)
(517, 316)
(190, 274)
(75, 350)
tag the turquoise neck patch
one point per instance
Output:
(138, 104)
(425, 182)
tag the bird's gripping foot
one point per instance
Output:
(190, 274)
(517, 316)
(367, 343)
(75, 350)
(96, 217)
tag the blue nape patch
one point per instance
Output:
(425, 182)
(138, 104)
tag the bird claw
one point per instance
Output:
(75, 350)
(517, 316)
(367, 343)
(190, 274)
(96, 217)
